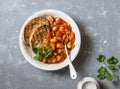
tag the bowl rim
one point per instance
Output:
(58, 65)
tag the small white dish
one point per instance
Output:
(26, 51)
(88, 83)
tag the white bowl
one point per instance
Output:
(88, 82)
(26, 51)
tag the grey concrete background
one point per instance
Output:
(99, 23)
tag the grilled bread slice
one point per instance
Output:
(33, 24)
(38, 36)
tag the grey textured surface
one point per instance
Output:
(99, 23)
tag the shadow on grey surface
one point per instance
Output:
(85, 49)
(103, 86)
(115, 84)
(61, 72)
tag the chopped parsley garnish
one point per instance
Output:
(43, 52)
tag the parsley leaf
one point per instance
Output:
(110, 79)
(35, 50)
(101, 69)
(103, 73)
(108, 72)
(36, 57)
(112, 60)
(101, 58)
(101, 77)
(38, 54)
(48, 50)
(113, 68)
(43, 52)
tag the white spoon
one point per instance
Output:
(73, 73)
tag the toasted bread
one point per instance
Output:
(33, 24)
(38, 36)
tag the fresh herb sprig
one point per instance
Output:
(43, 52)
(109, 70)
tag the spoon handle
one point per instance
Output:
(73, 73)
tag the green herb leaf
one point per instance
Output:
(101, 69)
(43, 52)
(36, 57)
(113, 68)
(112, 60)
(35, 50)
(110, 79)
(101, 77)
(38, 54)
(104, 73)
(101, 58)
(48, 51)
